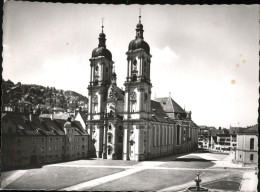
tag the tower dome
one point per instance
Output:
(138, 42)
(101, 50)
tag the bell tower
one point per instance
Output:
(137, 106)
(138, 84)
(101, 66)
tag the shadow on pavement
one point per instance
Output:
(191, 159)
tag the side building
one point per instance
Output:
(32, 139)
(247, 146)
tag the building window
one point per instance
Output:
(109, 150)
(178, 135)
(57, 139)
(50, 139)
(158, 136)
(109, 138)
(33, 139)
(251, 157)
(82, 138)
(154, 136)
(109, 127)
(252, 143)
(42, 139)
(83, 146)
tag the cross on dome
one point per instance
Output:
(140, 11)
(102, 19)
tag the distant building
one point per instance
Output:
(32, 139)
(205, 134)
(247, 146)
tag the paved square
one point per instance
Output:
(171, 173)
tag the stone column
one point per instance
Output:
(137, 143)
(126, 143)
(127, 69)
(104, 154)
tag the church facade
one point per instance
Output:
(128, 124)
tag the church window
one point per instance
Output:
(135, 65)
(110, 138)
(134, 77)
(109, 150)
(154, 136)
(158, 136)
(251, 157)
(169, 135)
(178, 135)
(109, 127)
(165, 135)
(252, 146)
(161, 136)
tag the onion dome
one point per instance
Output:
(101, 50)
(139, 42)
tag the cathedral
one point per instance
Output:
(127, 124)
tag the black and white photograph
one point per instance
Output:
(105, 97)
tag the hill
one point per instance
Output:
(41, 98)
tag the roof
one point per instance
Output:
(83, 115)
(169, 105)
(250, 130)
(41, 125)
(158, 112)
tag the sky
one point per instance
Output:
(205, 57)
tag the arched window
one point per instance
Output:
(252, 143)
(109, 127)
(109, 150)
(134, 77)
(154, 136)
(109, 138)
(251, 157)
(178, 135)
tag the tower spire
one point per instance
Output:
(102, 19)
(139, 27)
(102, 36)
(140, 11)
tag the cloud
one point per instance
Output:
(164, 56)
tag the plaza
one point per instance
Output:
(169, 173)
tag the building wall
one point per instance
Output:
(243, 151)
